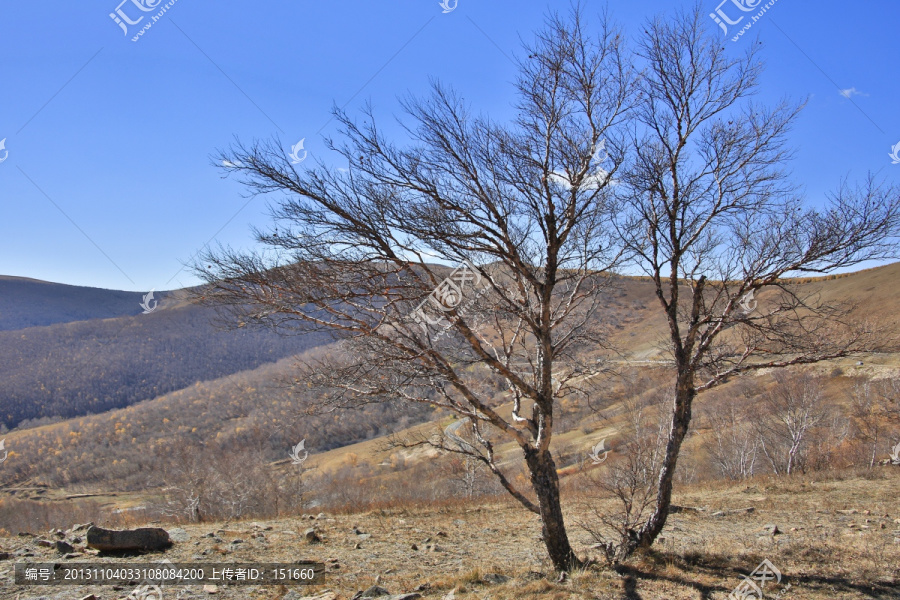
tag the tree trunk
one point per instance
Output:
(681, 419)
(545, 482)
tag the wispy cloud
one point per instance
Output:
(850, 92)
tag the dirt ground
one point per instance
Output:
(836, 538)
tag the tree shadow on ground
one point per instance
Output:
(721, 567)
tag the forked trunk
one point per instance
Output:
(681, 419)
(545, 482)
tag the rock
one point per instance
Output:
(851, 511)
(326, 595)
(45, 543)
(90, 597)
(771, 529)
(358, 546)
(177, 534)
(82, 527)
(364, 536)
(146, 538)
(211, 589)
(237, 541)
(311, 536)
(376, 591)
(442, 534)
(434, 548)
(5, 555)
(495, 578)
(31, 535)
(320, 516)
(415, 548)
(64, 547)
(410, 596)
(459, 522)
(718, 513)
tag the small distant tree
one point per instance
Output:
(733, 443)
(789, 414)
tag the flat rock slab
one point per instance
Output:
(109, 540)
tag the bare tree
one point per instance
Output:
(790, 412)
(734, 442)
(711, 217)
(523, 209)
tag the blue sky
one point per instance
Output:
(108, 180)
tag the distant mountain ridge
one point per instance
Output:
(33, 303)
(67, 351)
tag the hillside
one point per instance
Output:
(82, 367)
(32, 303)
(246, 420)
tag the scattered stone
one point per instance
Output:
(376, 591)
(459, 522)
(771, 529)
(364, 536)
(691, 509)
(5, 555)
(851, 511)
(562, 577)
(237, 541)
(146, 538)
(358, 546)
(320, 516)
(177, 534)
(211, 589)
(64, 547)
(414, 547)
(495, 578)
(434, 548)
(90, 597)
(326, 595)
(311, 536)
(31, 535)
(45, 543)
(82, 527)
(410, 596)
(718, 513)
(442, 534)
